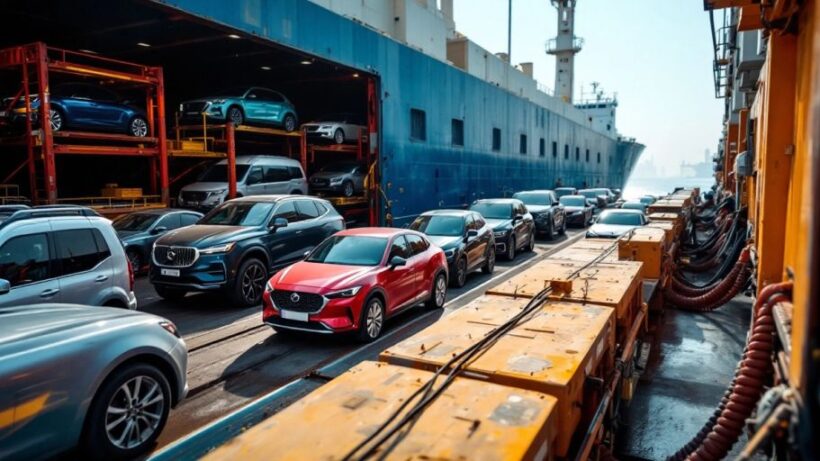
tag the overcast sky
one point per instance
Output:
(655, 54)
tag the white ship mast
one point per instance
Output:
(565, 46)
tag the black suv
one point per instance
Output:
(513, 226)
(465, 237)
(549, 215)
(236, 246)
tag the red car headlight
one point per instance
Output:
(346, 293)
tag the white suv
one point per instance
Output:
(63, 255)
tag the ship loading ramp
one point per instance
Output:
(196, 58)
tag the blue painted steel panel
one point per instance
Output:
(420, 175)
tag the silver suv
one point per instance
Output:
(63, 254)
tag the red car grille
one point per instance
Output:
(297, 301)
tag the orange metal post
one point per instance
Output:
(32, 166)
(230, 140)
(50, 169)
(776, 151)
(161, 138)
(303, 150)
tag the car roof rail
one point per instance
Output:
(47, 211)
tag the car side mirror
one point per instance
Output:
(471, 234)
(158, 230)
(5, 286)
(278, 223)
(518, 217)
(306, 254)
(397, 261)
(556, 203)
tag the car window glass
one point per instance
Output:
(24, 259)
(276, 174)
(417, 244)
(479, 221)
(102, 94)
(399, 248)
(470, 222)
(276, 97)
(288, 211)
(307, 209)
(322, 209)
(169, 222)
(188, 219)
(253, 94)
(77, 250)
(255, 176)
(295, 172)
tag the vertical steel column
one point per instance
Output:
(49, 164)
(162, 144)
(303, 150)
(230, 140)
(374, 197)
(32, 166)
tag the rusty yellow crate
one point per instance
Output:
(614, 284)
(188, 144)
(470, 420)
(121, 192)
(553, 352)
(586, 250)
(667, 206)
(647, 245)
(668, 229)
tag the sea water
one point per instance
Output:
(637, 187)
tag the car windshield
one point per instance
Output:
(633, 206)
(219, 173)
(588, 193)
(448, 226)
(134, 222)
(534, 198)
(568, 200)
(238, 214)
(235, 92)
(563, 192)
(493, 210)
(620, 219)
(353, 250)
(339, 167)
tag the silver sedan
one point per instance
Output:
(339, 128)
(100, 379)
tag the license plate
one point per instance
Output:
(299, 316)
(170, 272)
(193, 113)
(192, 203)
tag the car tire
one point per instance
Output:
(489, 261)
(235, 116)
(249, 283)
(138, 127)
(149, 409)
(563, 229)
(347, 188)
(135, 259)
(339, 136)
(371, 320)
(56, 119)
(289, 123)
(531, 242)
(510, 255)
(438, 293)
(550, 232)
(459, 279)
(170, 294)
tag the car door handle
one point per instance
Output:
(49, 293)
(298, 232)
(101, 278)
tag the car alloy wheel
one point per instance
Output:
(374, 319)
(348, 189)
(235, 115)
(461, 272)
(139, 127)
(290, 123)
(134, 412)
(511, 248)
(252, 281)
(531, 244)
(55, 119)
(339, 136)
(440, 291)
(489, 264)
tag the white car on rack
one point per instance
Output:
(339, 128)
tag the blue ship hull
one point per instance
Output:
(421, 175)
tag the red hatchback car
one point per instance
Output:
(355, 280)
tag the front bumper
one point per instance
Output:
(209, 272)
(336, 316)
(329, 187)
(577, 219)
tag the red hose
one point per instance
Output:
(710, 298)
(722, 430)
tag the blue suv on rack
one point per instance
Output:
(243, 105)
(239, 244)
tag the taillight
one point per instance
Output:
(130, 274)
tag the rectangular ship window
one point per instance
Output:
(587, 155)
(599, 157)
(554, 149)
(457, 127)
(496, 139)
(522, 144)
(418, 125)
(577, 154)
(566, 151)
(542, 147)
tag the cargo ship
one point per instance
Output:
(447, 122)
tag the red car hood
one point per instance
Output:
(316, 275)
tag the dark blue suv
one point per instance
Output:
(236, 246)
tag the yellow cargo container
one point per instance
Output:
(647, 245)
(586, 250)
(553, 351)
(471, 420)
(668, 229)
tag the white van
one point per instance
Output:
(255, 175)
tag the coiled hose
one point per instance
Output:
(717, 295)
(723, 429)
(732, 250)
(686, 290)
